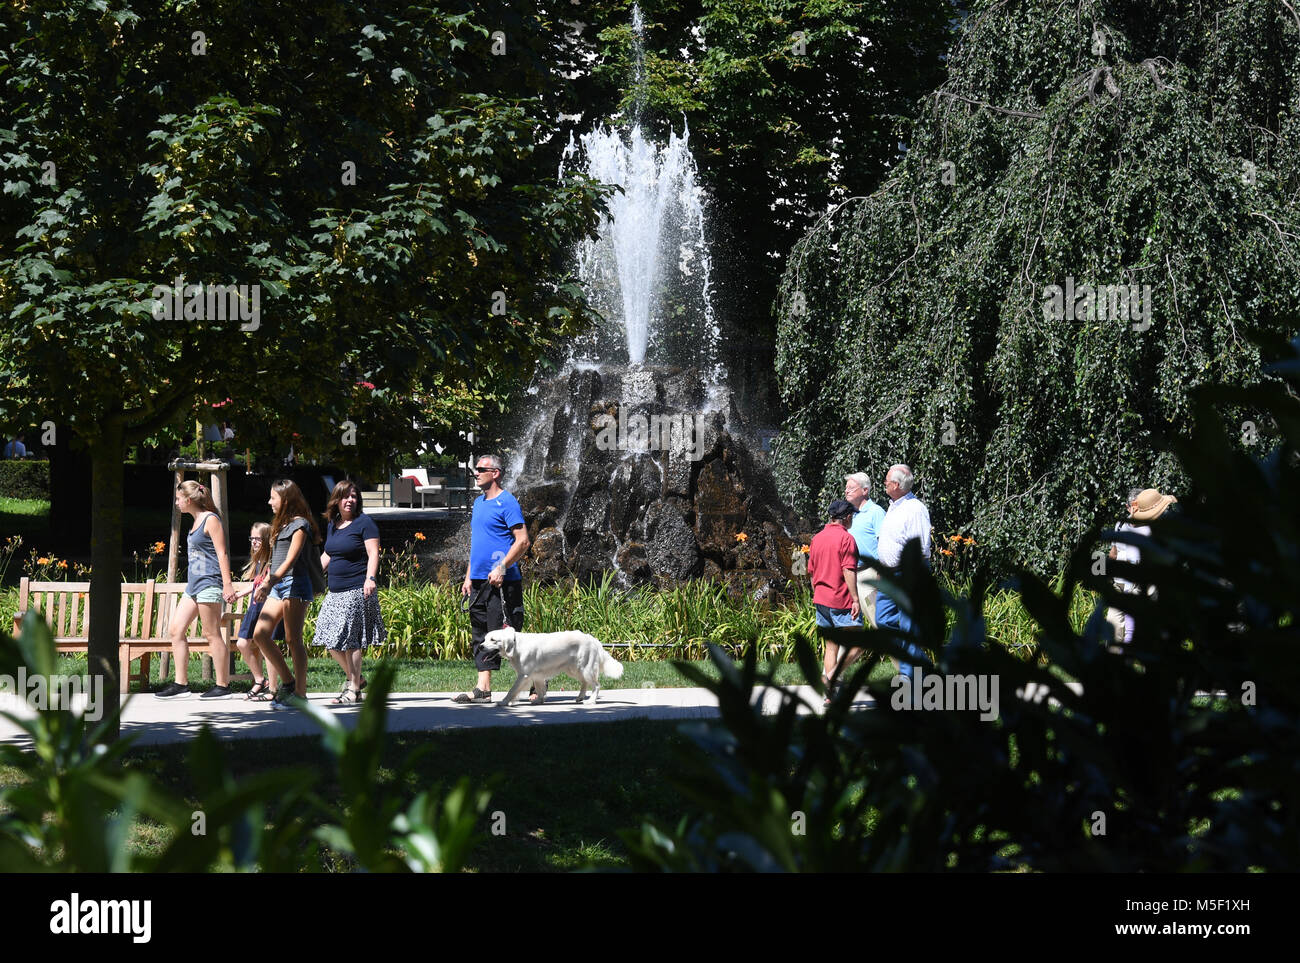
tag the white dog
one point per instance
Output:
(538, 656)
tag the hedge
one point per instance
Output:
(25, 479)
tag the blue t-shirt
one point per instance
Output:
(346, 548)
(865, 529)
(490, 537)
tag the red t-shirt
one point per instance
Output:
(832, 551)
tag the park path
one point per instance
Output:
(158, 721)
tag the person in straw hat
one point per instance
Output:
(1148, 505)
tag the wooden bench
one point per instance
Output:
(141, 624)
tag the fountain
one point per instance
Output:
(635, 458)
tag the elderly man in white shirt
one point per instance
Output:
(905, 520)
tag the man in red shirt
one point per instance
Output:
(832, 569)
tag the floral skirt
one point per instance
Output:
(349, 620)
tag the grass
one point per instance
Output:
(455, 675)
(31, 507)
(563, 791)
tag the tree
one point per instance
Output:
(792, 107)
(1095, 213)
(375, 218)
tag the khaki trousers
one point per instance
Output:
(867, 596)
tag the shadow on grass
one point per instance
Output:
(560, 793)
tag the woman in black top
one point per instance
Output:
(349, 620)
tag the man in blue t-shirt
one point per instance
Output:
(498, 539)
(16, 448)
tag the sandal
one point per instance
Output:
(479, 696)
(261, 692)
(347, 697)
(832, 690)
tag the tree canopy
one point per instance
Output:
(791, 107)
(339, 161)
(1095, 213)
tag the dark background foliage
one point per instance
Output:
(791, 107)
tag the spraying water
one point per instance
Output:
(648, 272)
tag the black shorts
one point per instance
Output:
(485, 616)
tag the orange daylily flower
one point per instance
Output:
(42, 561)
(945, 551)
(742, 537)
(419, 536)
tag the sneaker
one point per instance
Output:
(478, 696)
(172, 689)
(283, 694)
(217, 692)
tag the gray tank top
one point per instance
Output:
(204, 569)
(284, 541)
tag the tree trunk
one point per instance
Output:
(106, 563)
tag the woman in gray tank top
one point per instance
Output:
(208, 585)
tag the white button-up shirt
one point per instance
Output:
(906, 519)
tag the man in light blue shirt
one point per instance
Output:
(865, 530)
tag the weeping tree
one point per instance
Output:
(1094, 214)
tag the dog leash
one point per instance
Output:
(505, 613)
(468, 603)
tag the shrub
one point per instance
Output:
(25, 479)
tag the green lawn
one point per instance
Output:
(564, 790)
(425, 675)
(31, 507)
(27, 517)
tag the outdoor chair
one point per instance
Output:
(403, 491)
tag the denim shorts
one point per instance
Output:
(829, 618)
(208, 595)
(293, 588)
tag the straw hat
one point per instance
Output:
(1150, 504)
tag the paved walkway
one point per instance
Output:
(156, 721)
